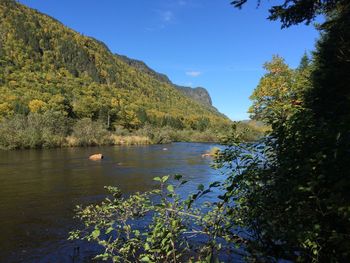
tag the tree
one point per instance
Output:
(291, 191)
(36, 105)
(292, 12)
(272, 99)
(280, 91)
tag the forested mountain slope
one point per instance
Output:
(198, 94)
(45, 66)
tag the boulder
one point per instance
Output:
(212, 152)
(96, 156)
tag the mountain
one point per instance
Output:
(141, 66)
(45, 66)
(198, 94)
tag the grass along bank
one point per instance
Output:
(50, 129)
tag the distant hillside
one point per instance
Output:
(198, 94)
(45, 66)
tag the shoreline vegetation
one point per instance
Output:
(52, 130)
(59, 88)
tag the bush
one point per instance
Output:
(157, 135)
(12, 131)
(87, 132)
(33, 131)
(177, 230)
(167, 134)
(129, 140)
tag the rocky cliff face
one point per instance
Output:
(198, 94)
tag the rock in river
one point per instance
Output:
(96, 156)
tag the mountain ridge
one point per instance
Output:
(46, 66)
(199, 94)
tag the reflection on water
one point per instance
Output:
(40, 188)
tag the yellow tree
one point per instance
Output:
(37, 105)
(274, 97)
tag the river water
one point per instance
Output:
(40, 188)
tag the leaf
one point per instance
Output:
(183, 182)
(158, 179)
(165, 178)
(200, 187)
(109, 230)
(194, 197)
(137, 233)
(170, 188)
(95, 233)
(146, 259)
(177, 177)
(146, 247)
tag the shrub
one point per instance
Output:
(33, 131)
(87, 132)
(12, 131)
(177, 232)
(129, 140)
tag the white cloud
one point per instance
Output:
(167, 16)
(164, 17)
(193, 73)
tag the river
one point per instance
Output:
(40, 188)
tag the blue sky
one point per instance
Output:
(195, 42)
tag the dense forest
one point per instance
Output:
(59, 87)
(199, 94)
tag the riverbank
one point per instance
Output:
(40, 131)
(13, 141)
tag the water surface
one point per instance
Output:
(40, 188)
